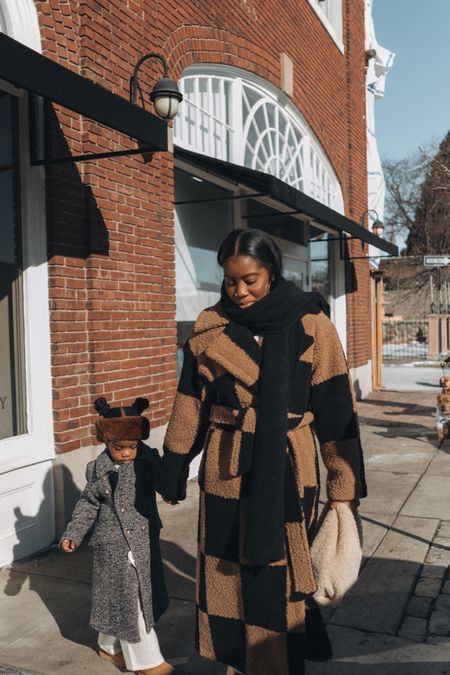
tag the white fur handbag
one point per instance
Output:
(336, 554)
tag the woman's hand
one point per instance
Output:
(170, 501)
(68, 546)
(353, 505)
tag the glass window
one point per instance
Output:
(276, 223)
(321, 265)
(203, 218)
(12, 389)
(296, 270)
(291, 235)
(246, 122)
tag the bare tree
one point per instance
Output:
(418, 200)
(431, 231)
(404, 179)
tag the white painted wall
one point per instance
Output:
(362, 379)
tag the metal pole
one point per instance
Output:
(439, 312)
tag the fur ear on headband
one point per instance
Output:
(141, 404)
(101, 405)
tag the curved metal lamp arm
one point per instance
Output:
(370, 211)
(134, 77)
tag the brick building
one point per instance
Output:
(103, 275)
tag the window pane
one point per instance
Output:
(275, 223)
(320, 266)
(200, 227)
(296, 270)
(12, 389)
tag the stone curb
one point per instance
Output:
(427, 615)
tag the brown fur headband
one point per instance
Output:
(121, 423)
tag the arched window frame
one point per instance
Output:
(218, 117)
(18, 19)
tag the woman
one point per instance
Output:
(263, 371)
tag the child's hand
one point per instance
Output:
(68, 546)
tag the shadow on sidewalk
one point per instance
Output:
(388, 408)
(382, 668)
(179, 570)
(367, 630)
(52, 575)
(421, 434)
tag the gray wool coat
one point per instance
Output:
(120, 505)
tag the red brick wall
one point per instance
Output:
(110, 222)
(359, 341)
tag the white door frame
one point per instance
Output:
(26, 483)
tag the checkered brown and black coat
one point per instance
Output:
(249, 617)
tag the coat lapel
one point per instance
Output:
(231, 346)
(103, 464)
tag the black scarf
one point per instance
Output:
(276, 317)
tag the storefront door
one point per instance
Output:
(26, 434)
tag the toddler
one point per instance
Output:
(119, 503)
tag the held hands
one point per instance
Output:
(68, 546)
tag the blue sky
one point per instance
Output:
(416, 106)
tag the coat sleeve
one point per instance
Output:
(186, 432)
(85, 512)
(336, 425)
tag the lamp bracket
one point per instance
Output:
(37, 148)
(91, 155)
(134, 77)
(342, 239)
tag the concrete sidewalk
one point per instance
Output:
(396, 619)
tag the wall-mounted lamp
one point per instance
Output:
(370, 54)
(165, 95)
(377, 225)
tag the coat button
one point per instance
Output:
(106, 492)
(122, 510)
(143, 527)
(128, 531)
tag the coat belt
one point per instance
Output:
(223, 414)
(243, 422)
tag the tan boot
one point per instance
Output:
(163, 669)
(116, 659)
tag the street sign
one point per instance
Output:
(436, 260)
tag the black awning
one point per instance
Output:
(29, 70)
(266, 184)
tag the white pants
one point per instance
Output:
(138, 655)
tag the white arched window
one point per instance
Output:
(231, 115)
(19, 20)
